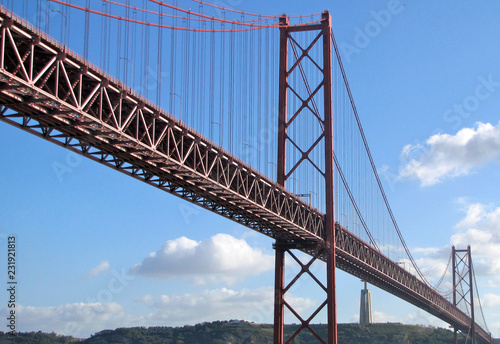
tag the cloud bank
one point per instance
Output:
(83, 319)
(479, 228)
(445, 156)
(77, 319)
(220, 258)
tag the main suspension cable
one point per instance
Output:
(393, 219)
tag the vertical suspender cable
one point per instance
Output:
(249, 96)
(223, 108)
(25, 8)
(260, 135)
(159, 58)
(87, 32)
(171, 95)
(231, 90)
(38, 13)
(200, 70)
(119, 46)
(242, 67)
(129, 64)
(134, 49)
(274, 78)
(47, 18)
(146, 58)
(194, 48)
(212, 85)
(103, 37)
(143, 55)
(107, 57)
(267, 112)
(186, 75)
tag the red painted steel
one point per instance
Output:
(282, 99)
(471, 284)
(279, 286)
(463, 291)
(51, 92)
(279, 280)
(329, 176)
(327, 120)
(454, 281)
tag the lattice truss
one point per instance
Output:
(64, 99)
(463, 296)
(284, 251)
(306, 128)
(51, 92)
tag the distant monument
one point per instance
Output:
(365, 313)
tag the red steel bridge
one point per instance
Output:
(50, 91)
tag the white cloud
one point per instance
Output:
(426, 250)
(445, 156)
(381, 317)
(77, 319)
(222, 257)
(432, 267)
(103, 266)
(83, 319)
(491, 301)
(475, 213)
(253, 305)
(431, 261)
(480, 228)
(145, 299)
(420, 317)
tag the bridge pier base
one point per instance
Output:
(284, 250)
(279, 293)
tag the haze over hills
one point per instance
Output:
(242, 332)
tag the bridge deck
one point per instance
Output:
(53, 93)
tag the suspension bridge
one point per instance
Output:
(261, 129)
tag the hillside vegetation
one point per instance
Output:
(236, 332)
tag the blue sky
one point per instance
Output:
(93, 243)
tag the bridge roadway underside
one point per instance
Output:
(53, 93)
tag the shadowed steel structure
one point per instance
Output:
(49, 91)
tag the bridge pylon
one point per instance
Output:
(463, 289)
(322, 113)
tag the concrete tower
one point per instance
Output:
(365, 313)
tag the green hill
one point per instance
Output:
(241, 332)
(37, 338)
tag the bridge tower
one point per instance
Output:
(463, 288)
(324, 114)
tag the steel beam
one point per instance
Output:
(329, 182)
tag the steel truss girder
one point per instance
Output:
(58, 96)
(362, 260)
(54, 87)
